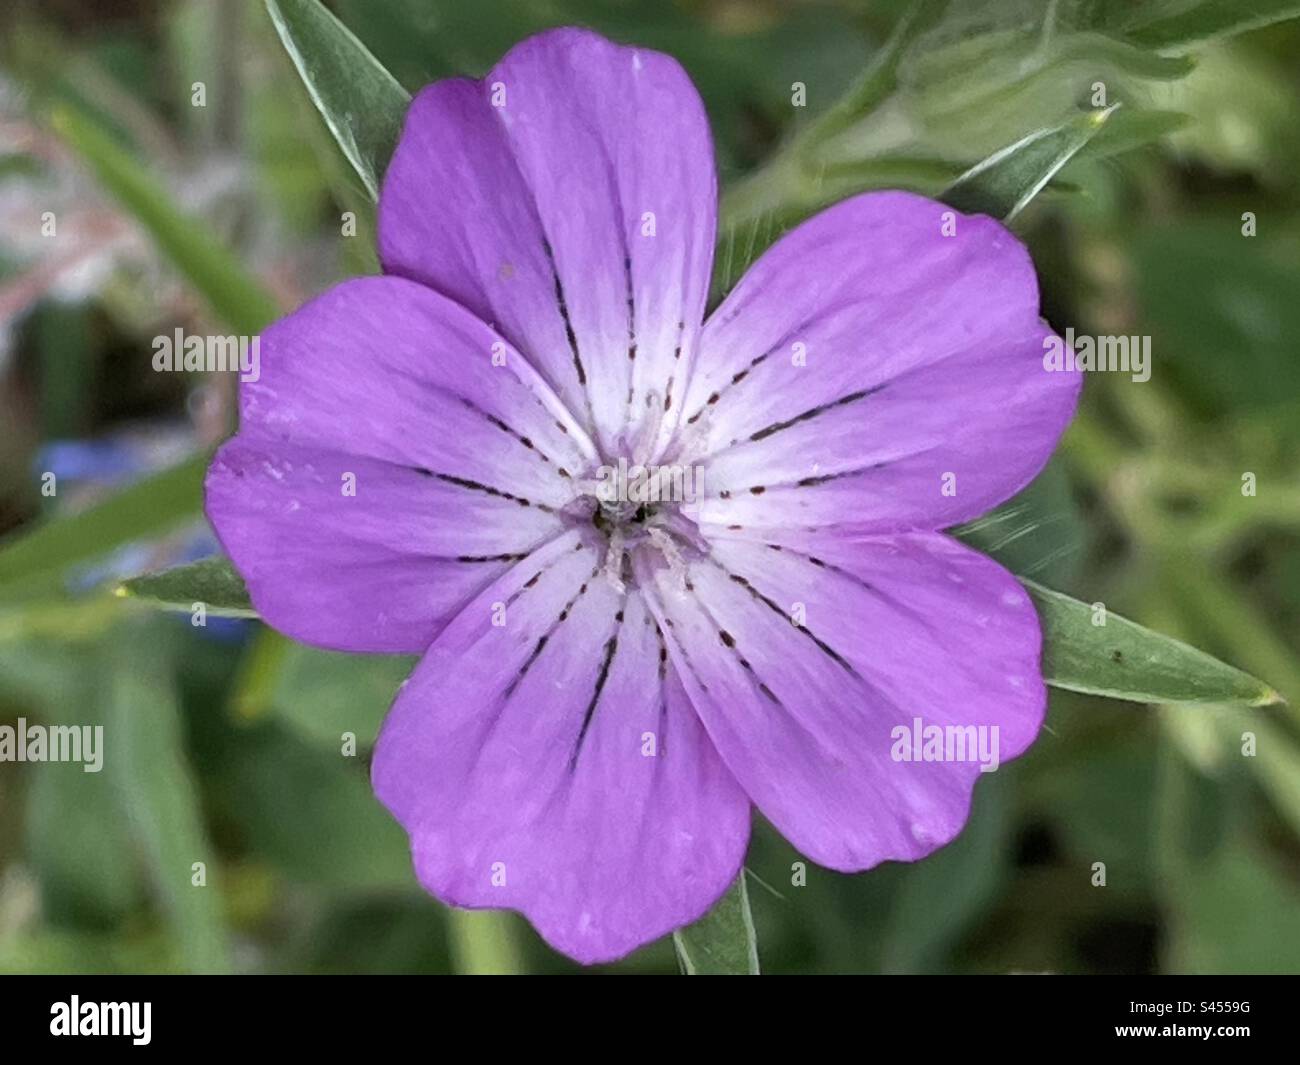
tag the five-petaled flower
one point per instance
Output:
(607, 687)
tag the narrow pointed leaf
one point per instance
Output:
(210, 581)
(1174, 27)
(1124, 660)
(1131, 128)
(362, 103)
(1120, 659)
(722, 942)
(159, 797)
(756, 212)
(1004, 183)
(880, 75)
(148, 508)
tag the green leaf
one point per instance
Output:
(722, 942)
(1131, 128)
(1078, 655)
(1175, 26)
(1004, 183)
(210, 581)
(260, 668)
(973, 93)
(150, 507)
(1123, 660)
(756, 211)
(362, 103)
(157, 792)
(77, 842)
(235, 296)
(879, 77)
(157, 504)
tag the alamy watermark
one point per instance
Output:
(649, 484)
(77, 1018)
(212, 354)
(946, 743)
(1114, 354)
(53, 743)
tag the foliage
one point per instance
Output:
(1133, 204)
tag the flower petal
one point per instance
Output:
(381, 570)
(802, 666)
(388, 369)
(871, 374)
(569, 198)
(387, 468)
(519, 759)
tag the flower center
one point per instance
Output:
(609, 515)
(638, 509)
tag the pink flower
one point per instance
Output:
(609, 683)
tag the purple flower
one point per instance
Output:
(608, 683)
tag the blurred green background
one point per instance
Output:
(225, 738)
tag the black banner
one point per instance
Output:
(153, 1013)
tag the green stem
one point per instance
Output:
(484, 943)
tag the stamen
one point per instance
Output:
(614, 553)
(667, 545)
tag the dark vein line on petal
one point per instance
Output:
(729, 641)
(803, 482)
(510, 430)
(758, 360)
(611, 646)
(545, 638)
(870, 685)
(631, 326)
(865, 585)
(795, 718)
(615, 190)
(563, 306)
(651, 594)
(798, 419)
(926, 622)
(443, 392)
(672, 375)
(814, 412)
(663, 687)
(479, 486)
(532, 581)
(735, 380)
(775, 607)
(534, 209)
